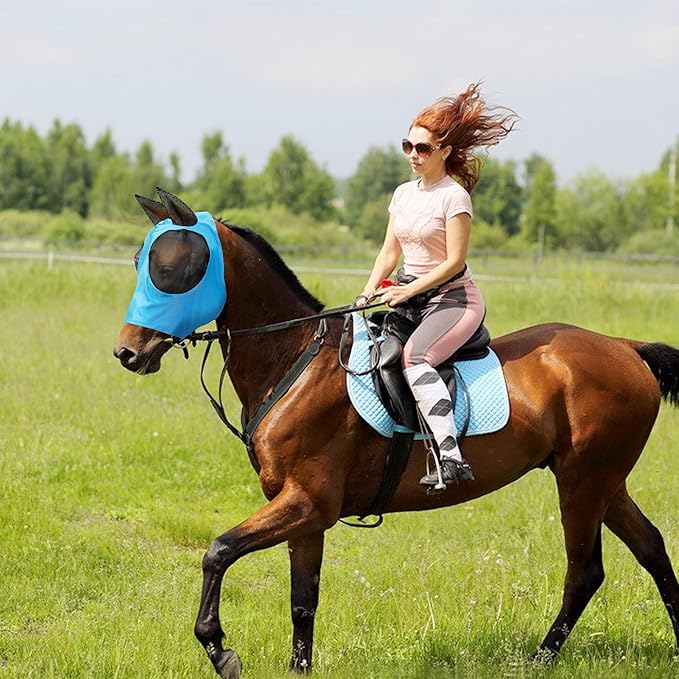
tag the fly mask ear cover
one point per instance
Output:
(171, 295)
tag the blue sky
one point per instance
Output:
(596, 83)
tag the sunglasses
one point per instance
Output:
(422, 148)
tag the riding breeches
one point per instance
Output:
(444, 324)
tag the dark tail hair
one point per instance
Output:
(663, 361)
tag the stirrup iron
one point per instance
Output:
(431, 454)
(440, 486)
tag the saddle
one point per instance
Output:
(390, 383)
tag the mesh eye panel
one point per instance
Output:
(178, 261)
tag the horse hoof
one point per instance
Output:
(229, 665)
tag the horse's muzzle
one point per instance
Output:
(140, 350)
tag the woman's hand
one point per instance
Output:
(396, 294)
(362, 300)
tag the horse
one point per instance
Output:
(584, 418)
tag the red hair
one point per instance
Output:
(465, 123)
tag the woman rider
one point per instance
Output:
(430, 224)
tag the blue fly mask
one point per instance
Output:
(180, 282)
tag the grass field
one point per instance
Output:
(113, 486)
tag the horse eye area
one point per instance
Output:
(178, 261)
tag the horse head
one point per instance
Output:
(180, 283)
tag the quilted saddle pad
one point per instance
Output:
(488, 398)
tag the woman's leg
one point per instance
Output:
(449, 320)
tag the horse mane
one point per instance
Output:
(276, 262)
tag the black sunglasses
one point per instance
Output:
(422, 148)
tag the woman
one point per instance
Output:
(430, 224)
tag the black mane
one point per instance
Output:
(266, 250)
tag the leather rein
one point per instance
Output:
(288, 379)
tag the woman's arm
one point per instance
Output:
(458, 231)
(385, 262)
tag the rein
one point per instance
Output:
(336, 312)
(288, 379)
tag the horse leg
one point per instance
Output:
(644, 540)
(290, 515)
(306, 555)
(581, 516)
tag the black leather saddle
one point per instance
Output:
(390, 383)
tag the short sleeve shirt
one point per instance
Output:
(420, 221)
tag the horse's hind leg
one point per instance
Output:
(581, 514)
(306, 556)
(644, 540)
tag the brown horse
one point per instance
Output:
(582, 404)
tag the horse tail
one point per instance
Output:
(663, 361)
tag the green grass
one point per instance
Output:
(113, 486)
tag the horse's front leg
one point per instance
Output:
(306, 555)
(289, 516)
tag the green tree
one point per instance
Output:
(117, 179)
(531, 165)
(645, 202)
(539, 210)
(102, 149)
(590, 215)
(255, 190)
(112, 193)
(213, 149)
(147, 172)
(498, 197)
(647, 199)
(372, 222)
(379, 172)
(220, 183)
(175, 185)
(24, 168)
(69, 168)
(291, 178)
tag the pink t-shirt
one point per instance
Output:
(420, 222)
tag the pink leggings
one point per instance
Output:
(444, 324)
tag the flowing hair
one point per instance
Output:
(466, 123)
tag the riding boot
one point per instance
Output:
(436, 408)
(452, 471)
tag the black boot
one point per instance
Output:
(452, 471)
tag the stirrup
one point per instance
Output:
(433, 454)
(440, 485)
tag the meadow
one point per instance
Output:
(113, 485)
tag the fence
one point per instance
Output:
(489, 264)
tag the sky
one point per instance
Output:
(595, 82)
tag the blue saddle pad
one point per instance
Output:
(488, 398)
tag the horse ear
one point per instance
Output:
(179, 211)
(154, 210)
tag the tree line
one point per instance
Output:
(517, 204)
